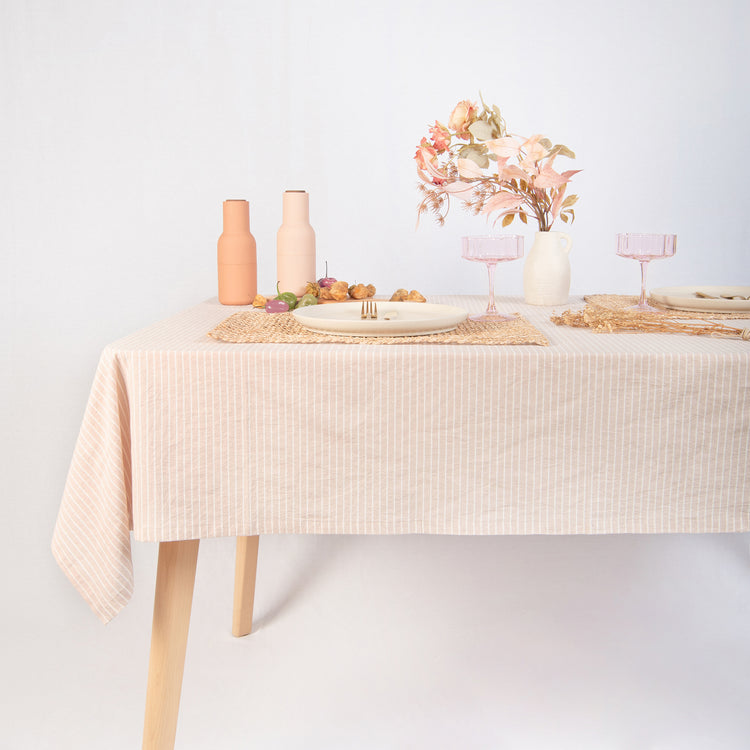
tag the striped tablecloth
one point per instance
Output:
(185, 437)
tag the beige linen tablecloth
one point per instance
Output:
(185, 437)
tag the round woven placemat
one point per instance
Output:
(259, 327)
(620, 301)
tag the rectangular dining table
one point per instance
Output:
(186, 438)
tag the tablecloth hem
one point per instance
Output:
(738, 529)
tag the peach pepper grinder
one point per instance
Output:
(295, 244)
(238, 271)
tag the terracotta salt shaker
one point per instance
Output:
(238, 271)
(295, 244)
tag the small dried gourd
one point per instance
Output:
(259, 301)
(400, 295)
(415, 296)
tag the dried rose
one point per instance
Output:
(462, 116)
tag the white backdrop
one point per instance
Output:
(123, 126)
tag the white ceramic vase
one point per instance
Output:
(546, 272)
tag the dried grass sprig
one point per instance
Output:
(611, 321)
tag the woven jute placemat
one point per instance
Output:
(620, 301)
(259, 327)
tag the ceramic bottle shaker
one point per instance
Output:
(295, 244)
(238, 271)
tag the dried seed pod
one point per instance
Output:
(259, 301)
(400, 295)
(339, 290)
(371, 290)
(415, 296)
(325, 293)
(360, 291)
(312, 288)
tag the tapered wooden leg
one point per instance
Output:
(246, 564)
(175, 577)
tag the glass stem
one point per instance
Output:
(642, 301)
(491, 310)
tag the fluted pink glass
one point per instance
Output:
(644, 248)
(491, 251)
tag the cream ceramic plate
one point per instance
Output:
(684, 298)
(394, 318)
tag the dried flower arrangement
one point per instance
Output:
(468, 159)
(602, 320)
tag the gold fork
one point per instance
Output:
(369, 310)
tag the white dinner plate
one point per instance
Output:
(684, 298)
(394, 318)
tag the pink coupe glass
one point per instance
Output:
(645, 248)
(491, 251)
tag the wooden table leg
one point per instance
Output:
(246, 564)
(175, 578)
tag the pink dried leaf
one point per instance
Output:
(429, 167)
(433, 183)
(504, 147)
(533, 150)
(513, 172)
(568, 173)
(548, 178)
(502, 201)
(458, 189)
(469, 169)
(557, 202)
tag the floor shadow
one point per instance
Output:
(310, 565)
